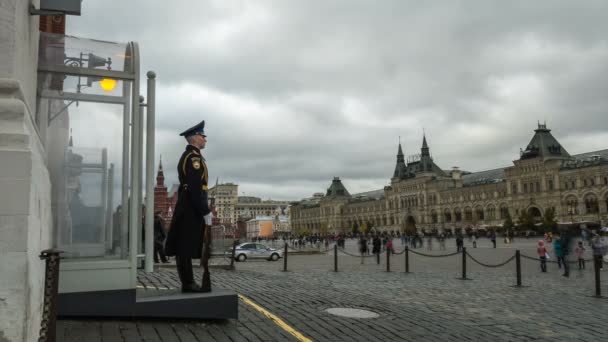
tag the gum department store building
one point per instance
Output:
(424, 197)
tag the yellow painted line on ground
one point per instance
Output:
(275, 319)
(152, 288)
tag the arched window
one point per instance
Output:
(448, 216)
(572, 206)
(433, 216)
(591, 204)
(479, 214)
(504, 211)
(491, 210)
(457, 215)
(468, 214)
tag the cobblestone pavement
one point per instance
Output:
(428, 304)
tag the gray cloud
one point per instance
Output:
(295, 92)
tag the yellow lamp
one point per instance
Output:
(107, 84)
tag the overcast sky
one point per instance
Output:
(294, 93)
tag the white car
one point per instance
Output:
(252, 250)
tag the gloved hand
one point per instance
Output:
(208, 219)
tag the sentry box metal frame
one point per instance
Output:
(90, 116)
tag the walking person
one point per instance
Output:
(459, 242)
(565, 239)
(557, 250)
(493, 238)
(159, 239)
(474, 240)
(389, 246)
(362, 247)
(579, 251)
(442, 242)
(542, 255)
(376, 245)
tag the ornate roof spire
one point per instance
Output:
(425, 146)
(400, 167)
(544, 145)
(160, 175)
(71, 142)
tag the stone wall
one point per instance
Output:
(25, 215)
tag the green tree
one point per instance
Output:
(508, 223)
(364, 228)
(549, 222)
(355, 229)
(525, 221)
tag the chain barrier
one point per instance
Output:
(434, 255)
(488, 265)
(48, 325)
(357, 255)
(572, 262)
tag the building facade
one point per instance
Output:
(423, 197)
(249, 207)
(25, 209)
(225, 197)
(268, 227)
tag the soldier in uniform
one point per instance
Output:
(191, 220)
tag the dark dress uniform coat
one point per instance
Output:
(185, 238)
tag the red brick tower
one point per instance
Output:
(161, 202)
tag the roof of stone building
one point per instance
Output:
(544, 145)
(337, 189)
(586, 160)
(484, 177)
(588, 155)
(375, 194)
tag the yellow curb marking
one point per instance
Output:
(152, 288)
(265, 312)
(275, 319)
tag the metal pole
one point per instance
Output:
(464, 263)
(124, 201)
(233, 253)
(285, 259)
(150, 125)
(596, 267)
(336, 258)
(135, 195)
(518, 267)
(388, 260)
(407, 259)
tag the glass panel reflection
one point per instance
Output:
(58, 49)
(85, 149)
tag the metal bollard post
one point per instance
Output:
(518, 267)
(464, 263)
(285, 259)
(596, 267)
(407, 259)
(388, 260)
(336, 258)
(51, 287)
(232, 257)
